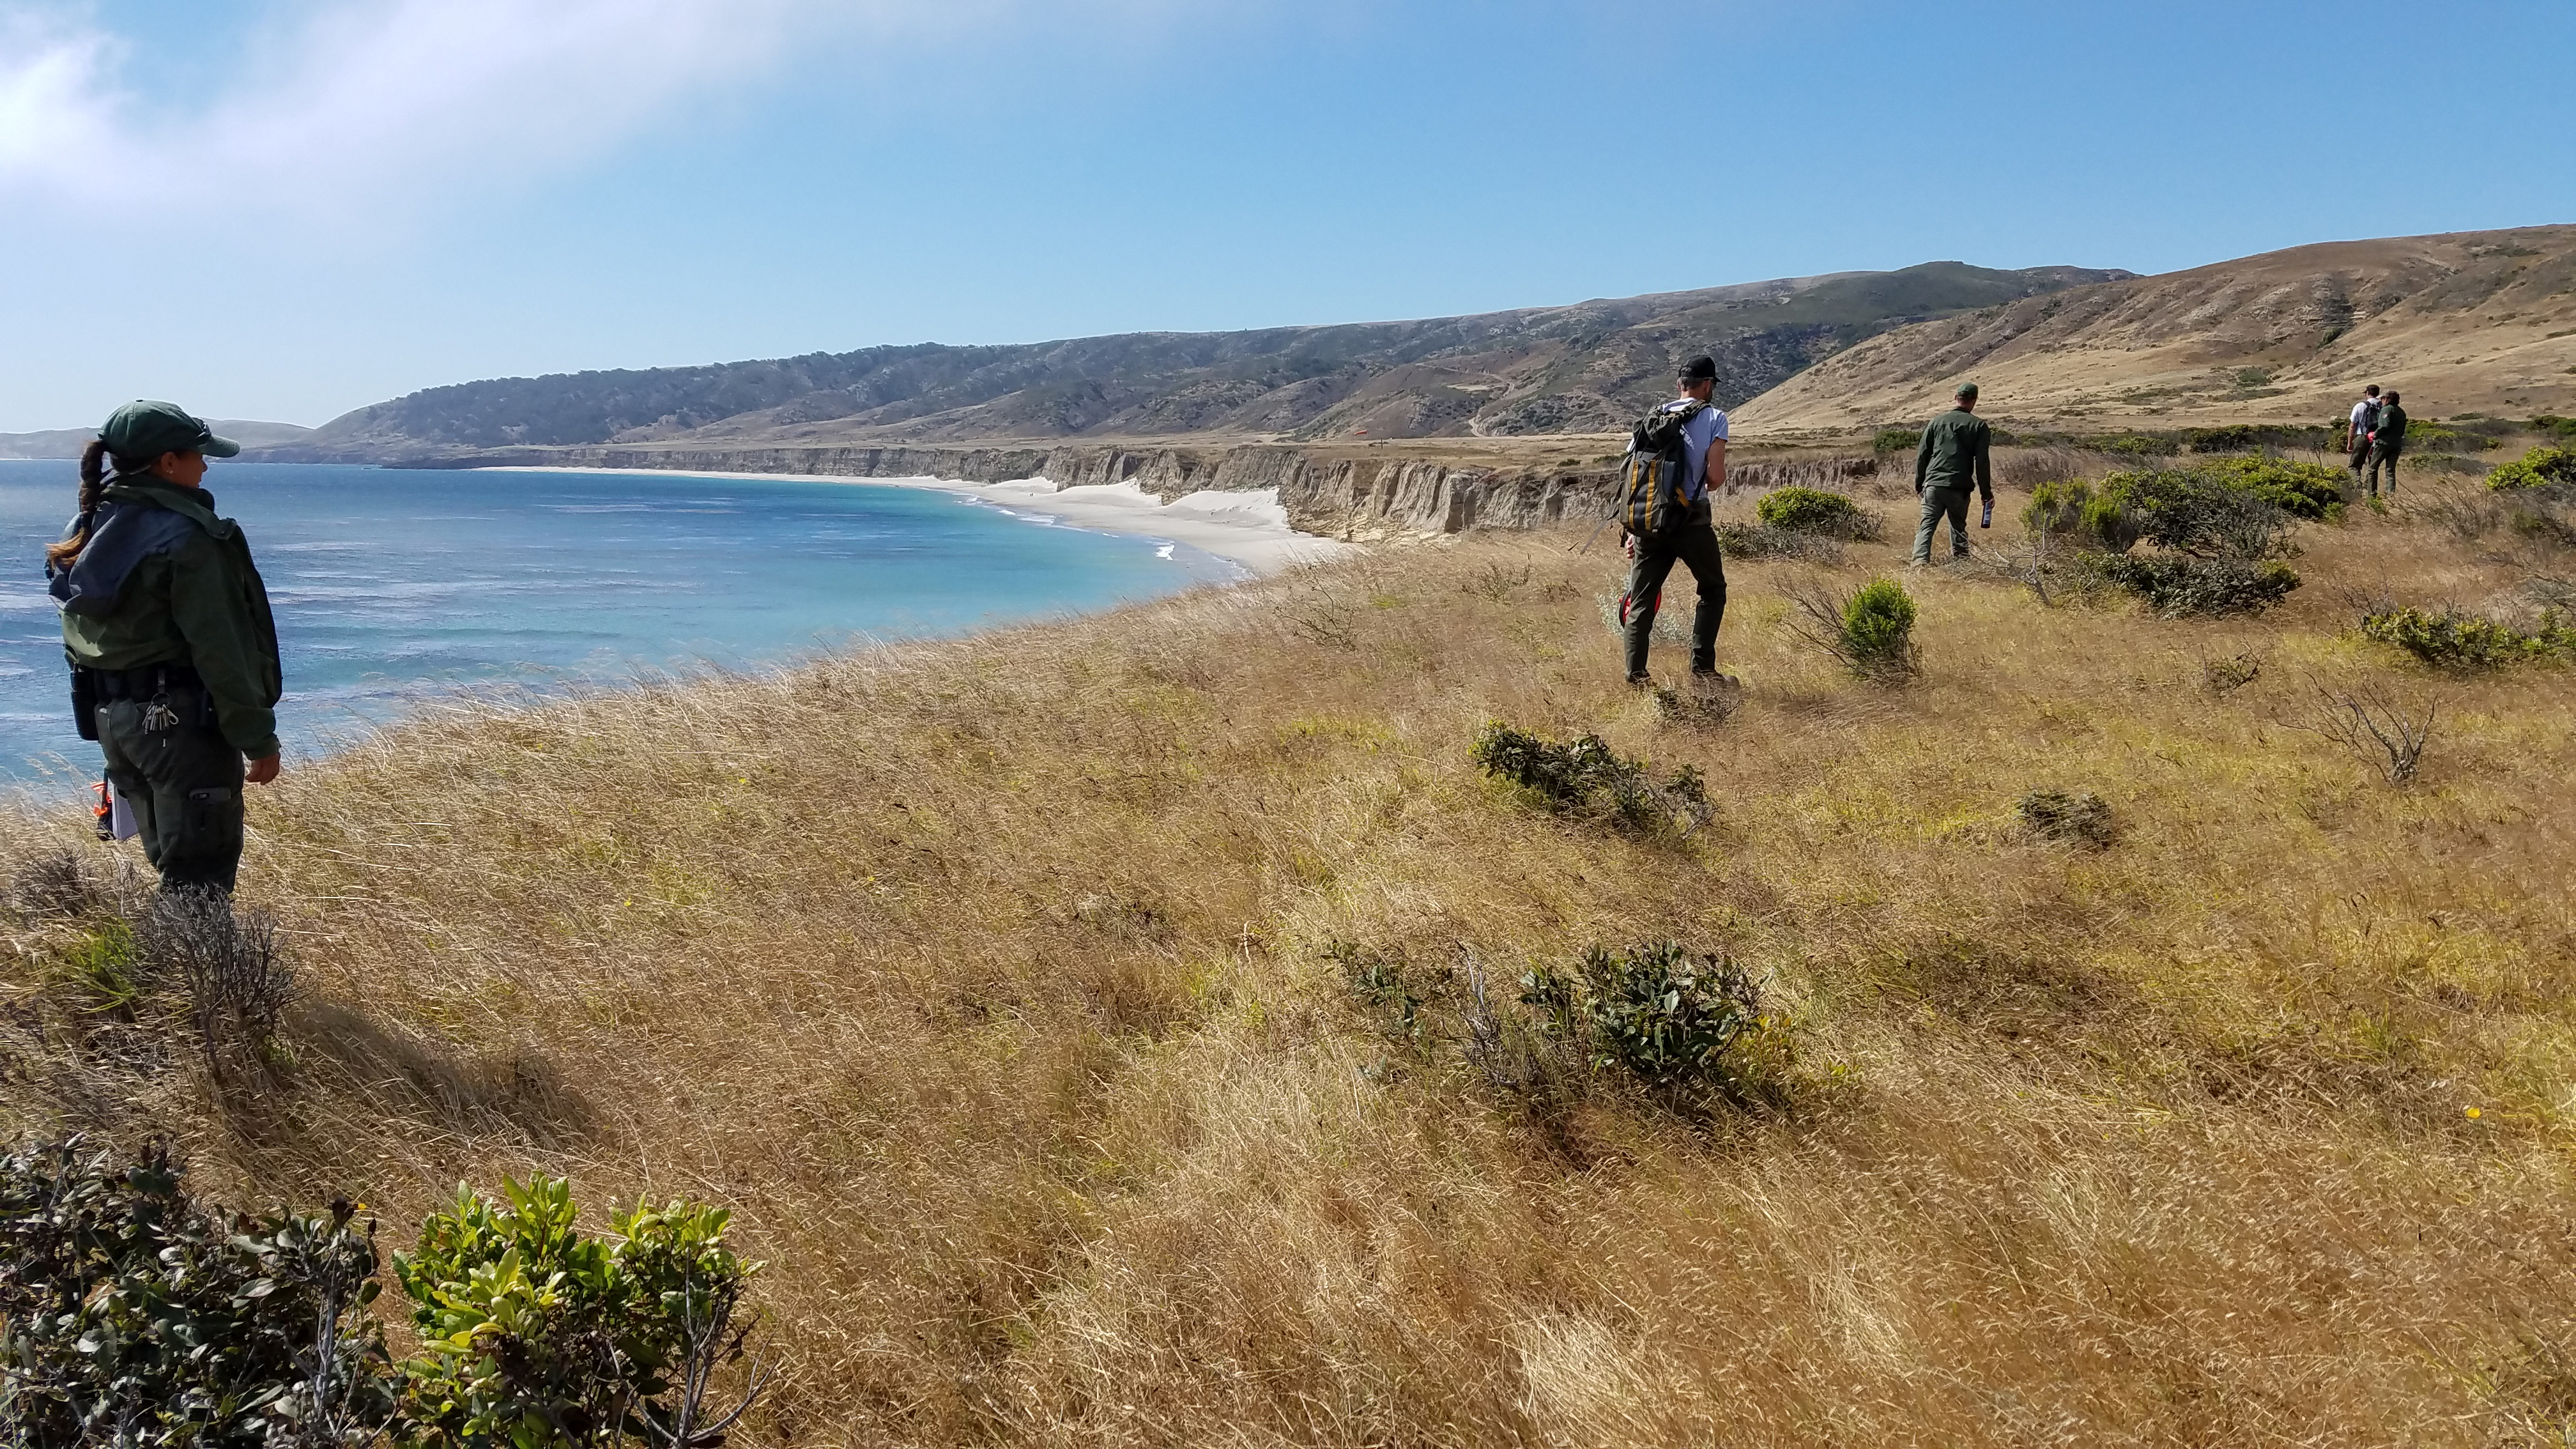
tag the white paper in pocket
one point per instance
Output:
(120, 816)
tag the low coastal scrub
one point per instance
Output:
(1585, 777)
(1816, 511)
(1765, 541)
(2541, 469)
(2454, 640)
(2222, 530)
(139, 1314)
(1870, 628)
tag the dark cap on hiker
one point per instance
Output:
(1700, 369)
(144, 430)
(1967, 389)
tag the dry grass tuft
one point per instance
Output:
(989, 981)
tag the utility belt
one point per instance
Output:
(152, 683)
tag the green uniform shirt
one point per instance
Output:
(2390, 431)
(1953, 454)
(200, 604)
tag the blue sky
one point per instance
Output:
(287, 208)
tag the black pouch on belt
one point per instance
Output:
(85, 702)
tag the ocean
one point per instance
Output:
(394, 585)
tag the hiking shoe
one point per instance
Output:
(1711, 679)
(1641, 681)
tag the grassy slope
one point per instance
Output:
(985, 978)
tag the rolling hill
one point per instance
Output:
(68, 442)
(2471, 322)
(1589, 367)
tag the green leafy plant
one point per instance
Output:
(2072, 509)
(1871, 629)
(2468, 641)
(1896, 440)
(2542, 468)
(1584, 776)
(2308, 490)
(540, 1337)
(137, 1315)
(1814, 511)
(1664, 1016)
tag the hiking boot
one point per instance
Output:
(1711, 679)
(1641, 681)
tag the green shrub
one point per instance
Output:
(2073, 509)
(1896, 440)
(137, 1315)
(2176, 585)
(2556, 426)
(535, 1335)
(2546, 468)
(1584, 776)
(1814, 511)
(2308, 490)
(2467, 641)
(1665, 1017)
(2204, 514)
(1871, 629)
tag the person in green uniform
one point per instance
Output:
(1952, 458)
(2387, 440)
(173, 650)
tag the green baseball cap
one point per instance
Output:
(143, 430)
(1967, 389)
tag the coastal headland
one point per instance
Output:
(1103, 1030)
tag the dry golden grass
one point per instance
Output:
(986, 980)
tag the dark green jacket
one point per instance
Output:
(199, 603)
(2390, 432)
(1954, 454)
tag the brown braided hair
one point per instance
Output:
(93, 483)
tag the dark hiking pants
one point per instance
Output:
(1693, 545)
(1939, 503)
(184, 784)
(2383, 455)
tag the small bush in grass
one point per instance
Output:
(2180, 586)
(2467, 641)
(535, 1334)
(1584, 776)
(1871, 629)
(2078, 819)
(2073, 509)
(1664, 1016)
(2307, 490)
(1896, 440)
(137, 1315)
(2541, 468)
(1814, 511)
(2228, 675)
(2381, 728)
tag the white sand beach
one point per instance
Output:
(1248, 529)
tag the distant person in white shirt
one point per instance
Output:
(2356, 434)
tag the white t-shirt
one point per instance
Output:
(1697, 435)
(2365, 415)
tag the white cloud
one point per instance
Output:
(348, 103)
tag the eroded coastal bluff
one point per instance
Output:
(1430, 488)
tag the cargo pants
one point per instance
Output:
(1693, 545)
(1939, 503)
(184, 784)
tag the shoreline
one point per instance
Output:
(1247, 529)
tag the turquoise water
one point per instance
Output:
(389, 583)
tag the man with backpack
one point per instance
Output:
(2356, 432)
(1956, 453)
(1675, 456)
(2387, 440)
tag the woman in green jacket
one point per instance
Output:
(173, 650)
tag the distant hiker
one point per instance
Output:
(2387, 440)
(2356, 432)
(1954, 456)
(1674, 458)
(173, 652)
